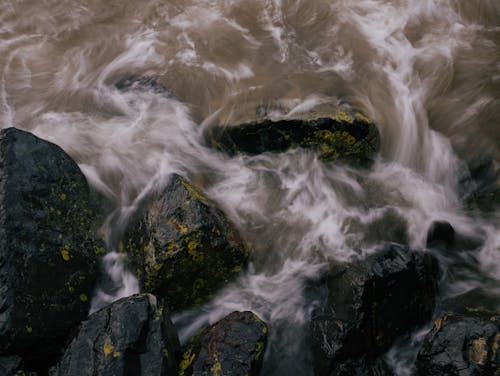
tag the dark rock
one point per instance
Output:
(441, 233)
(463, 345)
(133, 336)
(369, 305)
(442, 236)
(13, 366)
(346, 137)
(184, 248)
(48, 250)
(481, 186)
(233, 346)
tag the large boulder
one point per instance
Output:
(233, 346)
(344, 136)
(184, 248)
(132, 336)
(462, 344)
(48, 250)
(370, 304)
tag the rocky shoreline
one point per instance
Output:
(183, 249)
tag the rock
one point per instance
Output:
(233, 346)
(369, 305)
(346, 137)
(13, 366)
(138, 83)
(132, 336)
(462, 344)
(48, 250)
(480, 188)
(184, 248)
(440, 234)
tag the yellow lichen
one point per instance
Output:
(362, 117)
(65, 253)
(108, 348)
(193, 191)
(478, 351)
(345, 117)
(216, 369)
(29, 329)
(62, 196)
(186, 361)
(117, 354)
(192, 250)
(83, 297)
(258, 349)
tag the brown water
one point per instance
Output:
(427, 71)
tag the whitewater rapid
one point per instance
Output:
(427, 72)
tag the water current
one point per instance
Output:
(428, 73)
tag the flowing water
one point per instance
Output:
(428, 72)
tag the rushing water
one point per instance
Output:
(428, 72)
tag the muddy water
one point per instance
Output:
(428, 72)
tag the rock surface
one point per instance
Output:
(369, 305)
(48, 250)
(184, 248)
(13, 366)
(347, 137)
(465, 344)
(133, 336)
(233, 346)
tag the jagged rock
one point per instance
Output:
(132, 336)
(462, 344)
(233, 346)
(347, 137)
(48, 250)
(13, 366)
(369, 305)
(184, 248)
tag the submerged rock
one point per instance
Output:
(48, 251)
(347, 137)
(462, 344)
(369, 305)
(134, 82)
(133, 336)
(184, 248)
(233, 346)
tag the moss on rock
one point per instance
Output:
(184, 248)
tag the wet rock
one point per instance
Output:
(369, 305)
(440, 233)
(13, 366)
(184, 248)
(48, 250)
(481, 187)
(462, 344)
(346, 137)
(442, 236)
(133, 336)
(233, 346)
